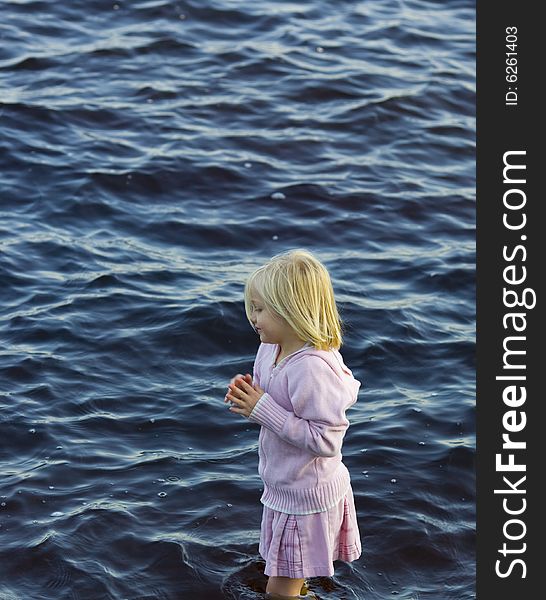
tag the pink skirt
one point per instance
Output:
(300, 546)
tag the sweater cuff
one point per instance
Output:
(268, 413)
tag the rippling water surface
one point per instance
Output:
(152, 154)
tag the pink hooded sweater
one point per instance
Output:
(302, 415)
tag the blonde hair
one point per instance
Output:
(297, 286)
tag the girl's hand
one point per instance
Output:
(247, 378)
(243, 396)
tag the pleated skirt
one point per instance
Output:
(301, 546)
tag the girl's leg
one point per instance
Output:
(284, 586)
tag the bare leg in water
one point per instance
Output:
(284, 586)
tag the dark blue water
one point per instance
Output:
(152, 154)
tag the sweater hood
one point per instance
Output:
(335, 361)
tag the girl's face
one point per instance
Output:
(272, 328)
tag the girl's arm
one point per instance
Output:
(319, 399)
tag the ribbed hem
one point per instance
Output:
(268, 413)
(306, 501)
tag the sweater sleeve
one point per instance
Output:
(319, 399)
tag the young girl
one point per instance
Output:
(299, 394)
